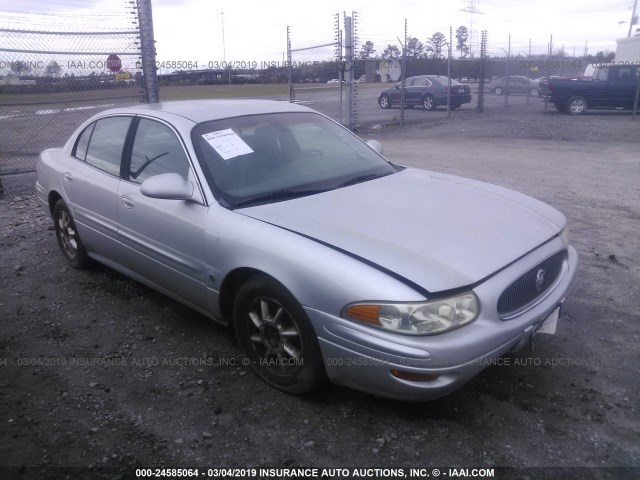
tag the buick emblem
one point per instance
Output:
(539, 279)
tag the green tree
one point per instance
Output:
(367, 50)
(415, 48)
(392, 51)
(462, 37)
(53, 69)
(20, 67)
(437, 43)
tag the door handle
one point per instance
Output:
(127, 202)
(68, 177)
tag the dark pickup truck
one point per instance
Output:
(610, 86)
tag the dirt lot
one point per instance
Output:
(99, 372)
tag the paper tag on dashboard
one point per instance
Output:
(227, 143)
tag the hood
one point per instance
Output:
(438, 231)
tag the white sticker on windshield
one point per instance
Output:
(227, 143)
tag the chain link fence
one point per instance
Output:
(52, 79)
(501, 74)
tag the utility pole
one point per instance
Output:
(148, 49)
(472, 10)
(634, 19)
(224, 48)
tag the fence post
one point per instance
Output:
(403, 74)
(449, 73)
(289, 65)
(148, 51)
(348, 51)
(483, 53)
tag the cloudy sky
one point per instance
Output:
(255, 31)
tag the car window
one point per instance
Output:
(421, 82)
(106, 144)
(625, 74)
(156, 149)
(80, 150)
(601, 74)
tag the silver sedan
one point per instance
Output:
(329, 261)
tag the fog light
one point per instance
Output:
(415, 376)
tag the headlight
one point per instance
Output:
(424, 318)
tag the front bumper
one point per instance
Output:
(363, 357)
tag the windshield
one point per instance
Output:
(264, 158)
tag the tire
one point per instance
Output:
(69, 241)
(428, 103)
(576, 105)
(533, 92)
(277, 337)
(498, 91)
(385, 101)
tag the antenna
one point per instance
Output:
(472, 9)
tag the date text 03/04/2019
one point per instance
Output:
(259, 473)
(230, 64)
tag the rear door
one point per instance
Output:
(91, 183)
(163, 240)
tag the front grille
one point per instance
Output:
(532, 284)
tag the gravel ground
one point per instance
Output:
(99, 373)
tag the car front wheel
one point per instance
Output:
(428, 102)
(277, 337)
(72, 247)
(497, 90)
(576, 105)
(533, 92)
(385, 101)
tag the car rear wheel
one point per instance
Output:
(70, 244)
(533, 92)
(385, 101)
(428, 102)
(498, 90)
(277, 337)
(576, 105)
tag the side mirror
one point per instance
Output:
(167, 186)
(376, 146)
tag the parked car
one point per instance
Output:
(328, 260)
(335, 80)
(610, 86)
(362, 79)
(430, 91)
(514, 84)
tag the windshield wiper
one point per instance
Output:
(360, 179)
(277, 196)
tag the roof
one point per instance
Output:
(203, 110)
